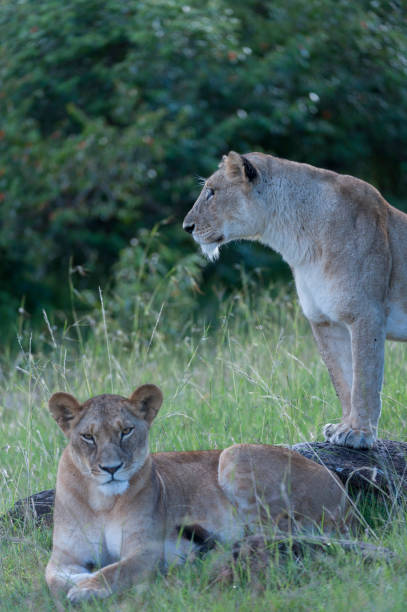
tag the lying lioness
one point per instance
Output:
(120, 512)
(347, 248)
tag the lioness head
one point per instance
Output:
(230, 205)
(108, 434)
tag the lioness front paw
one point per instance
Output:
(87, 589)
(344, 435)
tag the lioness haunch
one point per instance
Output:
(347, 248)
(121, 511)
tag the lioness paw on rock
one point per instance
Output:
(121, 512)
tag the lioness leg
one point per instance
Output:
(334, 343)
(359, 428)
(134, 569)
(62, 577)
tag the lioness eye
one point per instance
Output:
(127, 431)
(88, 437)
(209, 193)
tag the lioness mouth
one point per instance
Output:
(207, 239)
(212, 240)
(112, 480)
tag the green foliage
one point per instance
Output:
(148, 282)
(111, 109)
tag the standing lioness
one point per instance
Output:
(347, 248)
(121, 512)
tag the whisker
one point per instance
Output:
(204, 235)
(201, 180)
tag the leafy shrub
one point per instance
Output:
(110, 110)
(149, 282)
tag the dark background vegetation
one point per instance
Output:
(111, 110)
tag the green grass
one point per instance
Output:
(257, 377)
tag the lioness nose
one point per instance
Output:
(188, 227)
(112, 469)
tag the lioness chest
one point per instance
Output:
(320, 297)
(98, 541)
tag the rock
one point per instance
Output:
(382, 469)
(37, 508)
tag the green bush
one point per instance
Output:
(148, 283)
(111, 109)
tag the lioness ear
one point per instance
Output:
(239, 167)
(64, 408)
(147, 401)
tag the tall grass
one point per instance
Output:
(255, 376)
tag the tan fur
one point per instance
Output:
(127, 532)
(347, 248)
